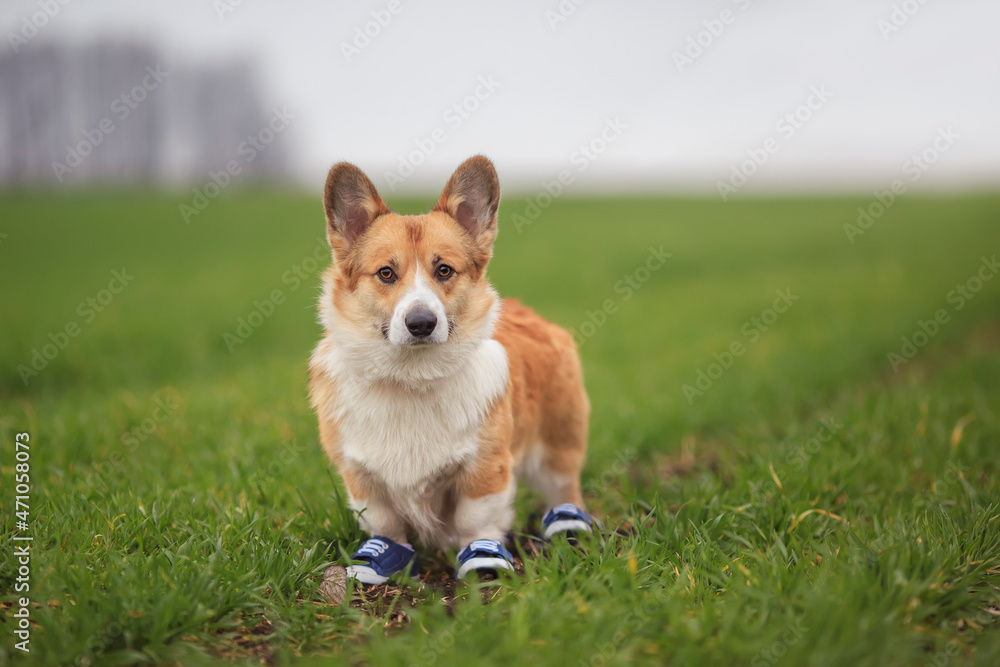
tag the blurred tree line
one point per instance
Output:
(119, 113)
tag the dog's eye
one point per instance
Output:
(386, 274)
(445, 271)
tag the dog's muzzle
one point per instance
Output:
(420, 322)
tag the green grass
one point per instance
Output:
(810, 507)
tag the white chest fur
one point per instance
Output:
(406, 436)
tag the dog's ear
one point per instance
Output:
(472, 197)
(352, 203)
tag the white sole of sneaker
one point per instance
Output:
(365, 575)
(565, 526)
(483, 563)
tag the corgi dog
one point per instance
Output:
(434, 396)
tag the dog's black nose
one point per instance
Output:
(421, 322)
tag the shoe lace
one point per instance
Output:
(373, 548)
(566, 508)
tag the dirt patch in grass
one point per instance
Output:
(250, 640)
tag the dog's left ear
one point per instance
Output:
(472, 197)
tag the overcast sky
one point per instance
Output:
(883, 84)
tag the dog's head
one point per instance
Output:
(413, 282)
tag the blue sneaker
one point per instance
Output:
(566, 519)
(488, 555)
(380, 558)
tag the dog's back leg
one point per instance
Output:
(556, 461)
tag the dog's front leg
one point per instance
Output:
(485, 516)
(386, 551)
(376, 516)
(484, 508)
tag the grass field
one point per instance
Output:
(802, 502)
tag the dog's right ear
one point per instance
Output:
(352, 204)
